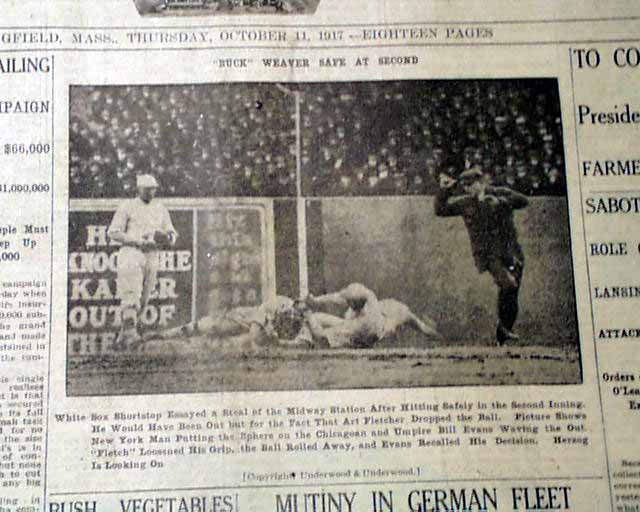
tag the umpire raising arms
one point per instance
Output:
(143, 227)
(488, 215)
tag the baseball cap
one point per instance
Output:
(471, 175)
(146, 181)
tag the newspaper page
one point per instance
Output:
(319, 256)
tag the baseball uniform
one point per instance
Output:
(134, 222)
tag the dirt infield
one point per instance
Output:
(198, 366)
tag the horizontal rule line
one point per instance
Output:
(602, 192)
(327, 25)
(328, 47)
(330, 484)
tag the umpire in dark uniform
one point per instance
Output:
(488, 214)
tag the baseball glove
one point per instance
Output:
(162, 239)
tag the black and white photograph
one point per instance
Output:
(316, 236)
(227, 7)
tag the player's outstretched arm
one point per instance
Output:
(447, 205)
(510, 198)
(355, 293)
(329, 299)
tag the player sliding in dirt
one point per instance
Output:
(283, 322)
(249, 325)
(363, 320)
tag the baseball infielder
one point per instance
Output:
(143, 226)
(364, 320)
(288, 323)
(253, 325)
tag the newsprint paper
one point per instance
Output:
(319, 256)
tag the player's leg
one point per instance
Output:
(129, 283)
(222, 326)
(212, 326)
(507, 276)
(182, 331)
(510, 302)
(254, 337)
(397, 314)
(149, 264)
(425, 325)
(150, 277)
(326, 320)
(297, 342)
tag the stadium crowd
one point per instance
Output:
(367, 138)
(197, 140)
(395, 138)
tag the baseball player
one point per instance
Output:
(143, 226)
(363, 321)
(288, 323)
(488, 214)
(254, 325)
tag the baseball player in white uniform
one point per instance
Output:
(143, 226)
(363, 319)
(255, 324)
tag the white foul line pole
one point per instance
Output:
(301, 208)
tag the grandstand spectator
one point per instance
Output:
(369, 138)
